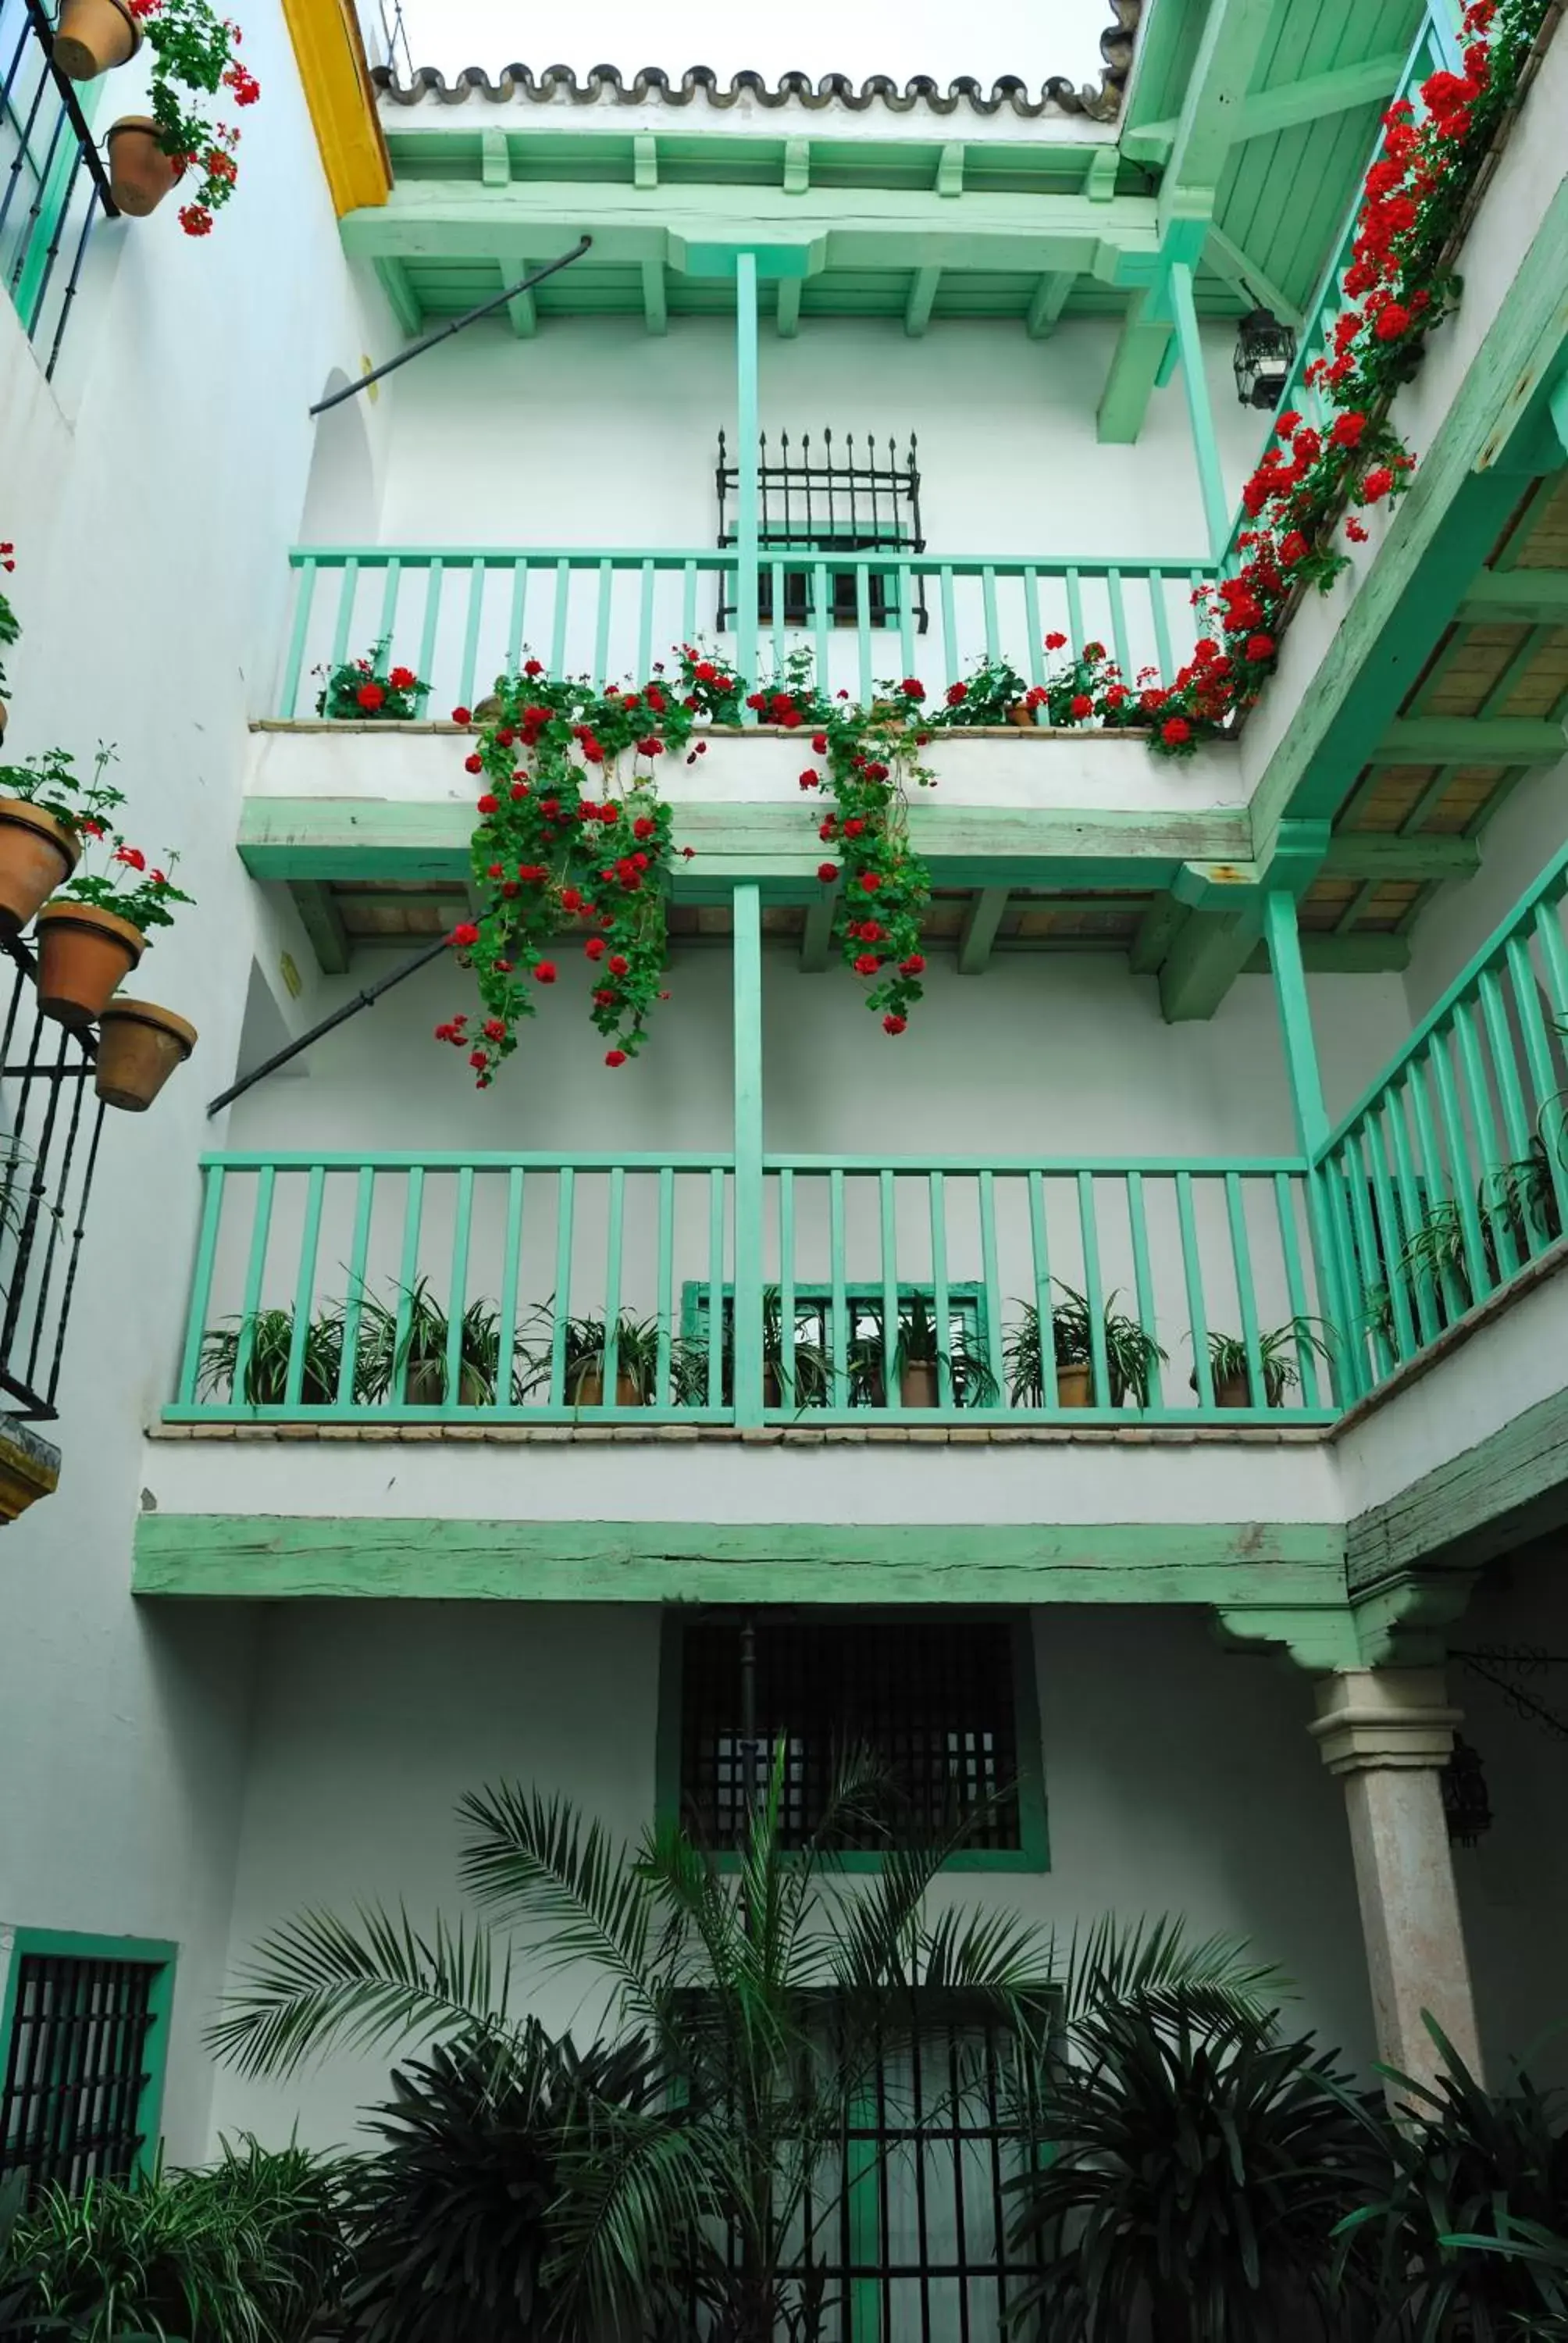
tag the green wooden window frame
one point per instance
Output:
(143, 1952)
(1032, 1853)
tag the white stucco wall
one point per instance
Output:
(149, 503)
(1179, 1779)
(1529, 832)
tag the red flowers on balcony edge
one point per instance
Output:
(1398, 290)
(367, 691)
(571, 830)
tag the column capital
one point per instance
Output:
(1378, 1720)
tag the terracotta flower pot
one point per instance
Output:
(1233, 1391)
(140, 173)
(83, 954)
(1074, 1386)
(139, 1046)
(918, 1383)
(425, 1384)
(587, 1391)
(772, 1387)
(94, 36)
(37, 854)
(1021, 714)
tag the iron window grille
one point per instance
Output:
(54, 188)
(81, 2048)
(935, 1701)
(832, 506)
(49, 1132)
(904, 2214)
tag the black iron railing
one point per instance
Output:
(54, 188)
(50, 1123)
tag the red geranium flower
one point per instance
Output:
(870, 880)
(475, 764)
(1175, 731)
(532, 667)
(370, 695)
(1260, 647)
(810, 780)
(1056, 642)
(619, 965)
(402, 679)
(1392, 321)
(1081, 704)
(545, 971)
(1377, 484)
(914, 966)
(462, 716)
(1294, 549)
(957, 694)
(595, 948)
(464, 934)
(826, 872)
(488, 804)
(912, 689)
(891, 1024)
(615, 1057)
(866, 964)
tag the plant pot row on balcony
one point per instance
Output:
(404, 1349)
(195, 57)
(89, 927)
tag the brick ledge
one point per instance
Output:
(511, 1435)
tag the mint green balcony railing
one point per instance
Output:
(545, 1288)
(1450, 1176)
(461, 615)
(1435, 47)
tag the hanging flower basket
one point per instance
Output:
(140, 173)
(94, 36)
(140, 1047)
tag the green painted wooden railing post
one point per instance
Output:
(1311, 1123)
(748, 1154)
(1199, 414)
(745, 499)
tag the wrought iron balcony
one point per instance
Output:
(54, 188)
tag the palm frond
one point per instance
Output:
(1120, 1960)
(320, 1982)
(536, 1859)
(637, 2191)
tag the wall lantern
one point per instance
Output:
(1466, 1809)
(1265, 351)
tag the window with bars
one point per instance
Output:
(83, 2029)
(901, 2230)
(946, 1705)
(835, 501)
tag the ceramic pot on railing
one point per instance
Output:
(83, 954)
(139, 1046)
(37, 854)
(588, 1390)
(140, 173)
(95, 35)
(1074, 1386)
(918, 1383)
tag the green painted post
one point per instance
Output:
(1312, 1116)
(748, 1150)
(942, 1307)
(304, 1288)
(1039, 1250)
(891, 1327)
(746, 514)
(1205, 446)
(353, 1300)
(201, 1283)
(288, 705)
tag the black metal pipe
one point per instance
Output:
(444, 333)
(365, 999)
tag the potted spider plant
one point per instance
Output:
(807, 1384)
(585, 1344)
(1279, 1352)
(415, 1363)
(918, 1356)
(46, 810)
(270, 1348)
(1132, 1353)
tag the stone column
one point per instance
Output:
(1388, 1733)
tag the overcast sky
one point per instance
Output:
(1032, 38)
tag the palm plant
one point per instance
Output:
(767, 1990)
(249, 2251)
(1131, 1352)
(1197, 2167)
(270, 1347)
(1465, 2240)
